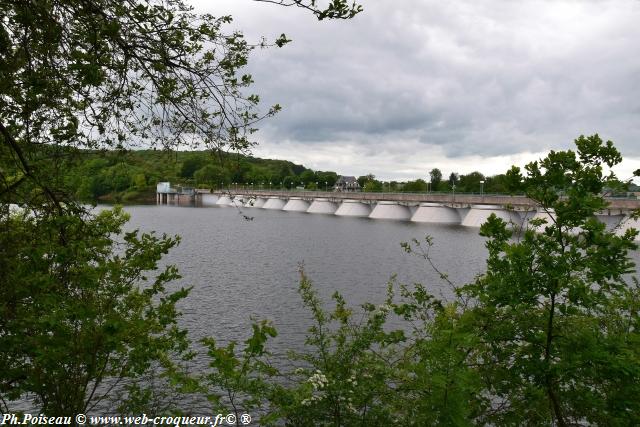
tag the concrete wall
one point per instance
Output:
(322, 206)
(436, 213)
(353, 208)
(478, 215)
(296, 205)
(275, 203)
(208, 199)
(390, 210)
(224, 201)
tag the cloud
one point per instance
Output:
(470, 82)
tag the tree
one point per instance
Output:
(436, 178)
(453, 178)
(417, 186)
(549, 334)
(556, 318)
(103, 75)
(211, 174)
(362, 180)
(373, 186)
(308, 176)
(190, 166)
(471, 182)
(80, 318)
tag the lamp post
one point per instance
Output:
(269, 185)
(316, 185)
(325, 186)
(482, 188)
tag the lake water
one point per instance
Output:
(241, 269)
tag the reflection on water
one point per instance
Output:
(241, 269)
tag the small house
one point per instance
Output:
(346, 184)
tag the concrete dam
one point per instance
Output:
(437, 208)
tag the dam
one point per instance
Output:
(468, 210)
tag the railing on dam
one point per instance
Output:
(415, 198)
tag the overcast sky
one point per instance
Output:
(461, 85)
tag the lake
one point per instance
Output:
(243, 269)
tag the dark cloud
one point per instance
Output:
(463, 78)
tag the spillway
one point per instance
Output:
(322, 206)
(209, 199)
(550, 217)
(436, 213)
(224, 201)
(296, 204)
(478, 215)
(238, 201)
(628, 223)
(353, 208)
(259, 202)
(274, 203)
(390, 210)
(254, 202)
(612, 221)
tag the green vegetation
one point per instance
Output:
(132, 175)
(81, 311)
(84, 314)
(548, 335)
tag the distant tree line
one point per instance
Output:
(132, 175)
(127, 176)
(474, 182)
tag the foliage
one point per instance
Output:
(109, 75)
(556, 316)
(83, 308)
(81, 82)
(548, 335)
(417, 186)
(435, 177)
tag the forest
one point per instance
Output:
(128, 176)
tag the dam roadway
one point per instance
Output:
(461, 200)
(470, 210)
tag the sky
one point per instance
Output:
(461, 85)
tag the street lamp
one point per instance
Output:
(481, 187)
(325, 186)
(316, 185)
(269, 185)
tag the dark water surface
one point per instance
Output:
(241, 269)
